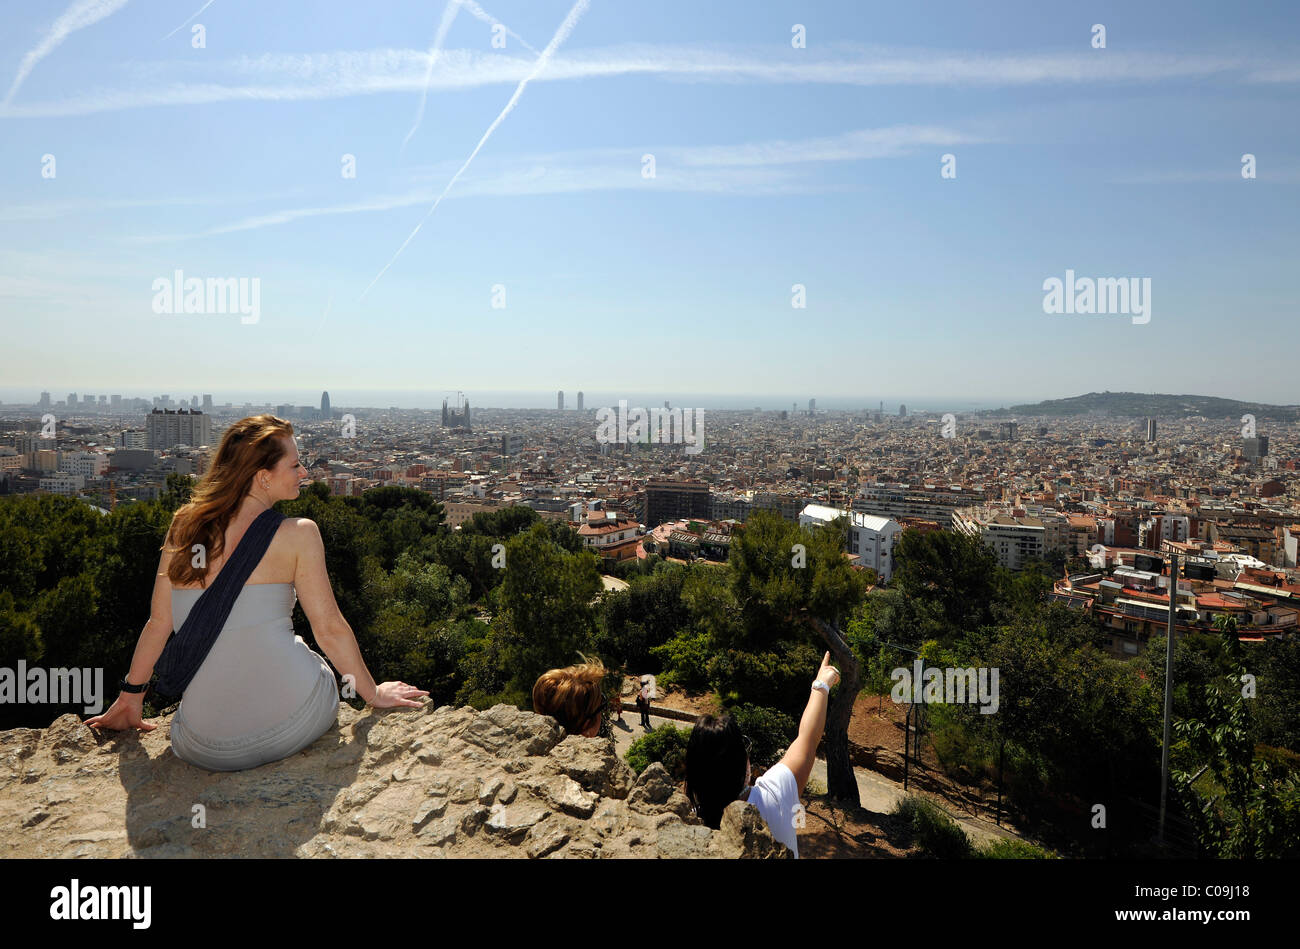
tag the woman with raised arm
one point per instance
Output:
(718, 768)
(232, 567)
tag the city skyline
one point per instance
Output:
(766, 184)
(431, 399)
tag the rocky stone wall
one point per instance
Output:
(446, 782)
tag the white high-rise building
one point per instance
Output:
(871, 539)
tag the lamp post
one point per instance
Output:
(1169, 692)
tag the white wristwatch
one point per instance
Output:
(822, 686)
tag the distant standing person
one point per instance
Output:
(643, 700)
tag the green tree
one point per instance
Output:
(546, 597)
(1253, 810)
(951, 569)
(789, 593)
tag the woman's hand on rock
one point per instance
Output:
(397, 694)
(125, 712)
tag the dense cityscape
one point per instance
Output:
(1105, 500)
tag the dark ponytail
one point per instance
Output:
(715, 766)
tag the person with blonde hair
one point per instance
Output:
(230, 572)
(574, 696)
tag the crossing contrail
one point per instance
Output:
(560, 36)
(486, 17)
(190, 20)
(80, 15)
(448, 15)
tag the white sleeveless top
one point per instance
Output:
(258, 674)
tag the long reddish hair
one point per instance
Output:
(247, 447)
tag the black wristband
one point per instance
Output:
(124, 686)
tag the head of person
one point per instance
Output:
(573, 696)
(257, 458)
(717, 766)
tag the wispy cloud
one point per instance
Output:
(1228, 176)
(282, 77)
(747, 168)
(562, 34)
(81, 14)
(42, 210)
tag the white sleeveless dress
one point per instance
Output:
(261, 694)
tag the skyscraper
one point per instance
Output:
(207, 404)
(559, 401)
(1255, 448)
(579, 400)
(325, 406)
(1151, 429)
(812, 406)
(902, 411)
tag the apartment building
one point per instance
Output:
(901, 500)
(871, 539)
(1013, 540)
(674, 500)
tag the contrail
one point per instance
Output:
(189, 21)
(448, 15)
(81, 14)
(560, 36)
(486, 17)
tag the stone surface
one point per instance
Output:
(427, 782)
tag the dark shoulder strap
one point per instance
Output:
(189, 646)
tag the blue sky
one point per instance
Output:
(774, 166)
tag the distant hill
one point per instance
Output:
(1155, 405)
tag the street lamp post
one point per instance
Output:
(1169, 692)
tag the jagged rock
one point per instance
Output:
(745, 834)
(655, 791)
(426, 782)
(593, 764)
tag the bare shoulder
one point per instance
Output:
(301, 532)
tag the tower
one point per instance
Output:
(579, 400)
(325, 405)
(559, 401)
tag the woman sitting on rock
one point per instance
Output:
(573, 696)
(718, 768)
(230, 572)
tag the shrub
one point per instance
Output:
(685, 660)
(769, 732)
(666, 744)
(1010, 849)
(937, 834)
(776, 677)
